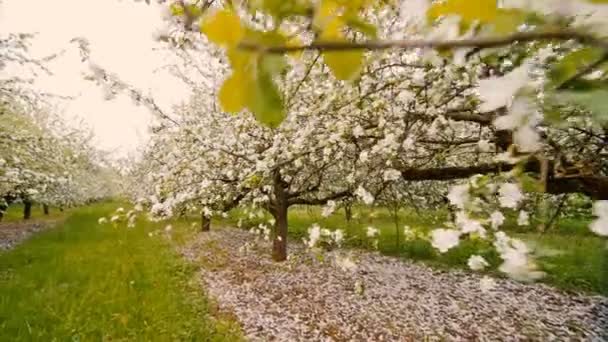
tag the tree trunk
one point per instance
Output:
(45, 208)
(27, 210)
(348, 212)
(61, 209)
(279, 244)
(205, 223)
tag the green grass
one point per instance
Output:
(88, 282)
(15, 213)
(572, 256)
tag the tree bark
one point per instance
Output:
(281, 205)
(45, 208)
(205, 223)
(27, 210)
(348, 212)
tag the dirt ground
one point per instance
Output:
(13, 233)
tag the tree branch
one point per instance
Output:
(489, 42)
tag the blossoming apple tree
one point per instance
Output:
(357, 97)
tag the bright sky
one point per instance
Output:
(121, 36)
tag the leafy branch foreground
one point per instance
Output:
(480, 43)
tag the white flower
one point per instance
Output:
(484, 145)
(314, 234)
(409, 144)
(338, 236)
(391, 175)
(138, 207)
(497, 219)
(102, 220)
(600, 225)
(516, 262)
(358, 131)
(329, 208)
(364, 156)
(459, 195)
(120, 210)
(168, 228)
(408, 233)
(487, 284)
(496, 92)
(477, 263)
(365, 196)
(413, 11)
(114, 218)
(372, 232)
(468, 225)
(510, 195)
(523, 219)
(345, 264)
(444, 239)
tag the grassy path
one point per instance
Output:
(88, 282)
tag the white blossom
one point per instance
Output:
(523, 218)
(487, 284)
(484, 145)
(497, 219)
(496, 92)
(314, 234)
(391, 175)
(364, 195)
(459, 195)
(600, 225)
(477, 263)
(346, 264)
(445, 239)
(509, 195)
(329, 209)
(372, 232)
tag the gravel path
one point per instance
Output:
(13, 233)
(307, 299)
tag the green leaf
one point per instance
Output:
(345, 65)
(595, 101)
(223, 28)
(267, 102)
(570, 65)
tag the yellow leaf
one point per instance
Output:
(233, 94)
(345, 65)
(223, 28)
(469, 11)
(326, 10)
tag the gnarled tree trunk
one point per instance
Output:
(45, 208)
(205, 223)
(279, 211)
(27, 210)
